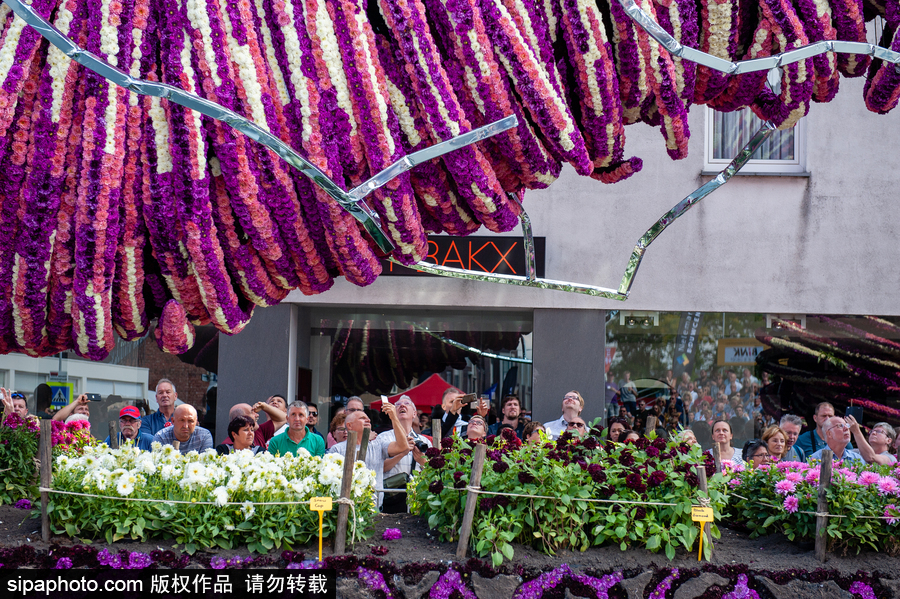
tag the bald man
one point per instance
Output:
(184, 429)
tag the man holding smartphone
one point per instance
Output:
(79, 406)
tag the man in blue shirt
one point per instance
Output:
(837, 437)
(165, 397)
(130, 425)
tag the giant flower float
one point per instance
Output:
(118, 208)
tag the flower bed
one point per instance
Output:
(783, 499)
(18, 447)
(223, 494)
(541, 491)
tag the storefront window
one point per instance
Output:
(387, 352)
(755, 366)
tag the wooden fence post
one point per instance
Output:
(45, 453)
(822, 506)
(364, 444)
(436, 433)
(471, 500)
(340, 539)
(114, 434)
(701, 476)
(717, 456)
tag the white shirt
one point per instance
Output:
(406, 461)
(376, 454)
(556, 428)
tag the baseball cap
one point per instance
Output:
(130, 411)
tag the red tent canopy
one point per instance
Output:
(426, 394)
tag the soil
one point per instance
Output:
(418, 544)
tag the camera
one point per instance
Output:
(421, 445)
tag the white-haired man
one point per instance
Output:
(837, 438)
(162, 418)
(405, 462)
(381, 448)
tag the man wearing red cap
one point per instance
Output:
(130, 425)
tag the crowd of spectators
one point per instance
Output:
(718, 409)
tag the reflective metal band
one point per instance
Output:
(751, 65)
(469, 348)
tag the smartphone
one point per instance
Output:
(94, 397)
(468, 398)
(856, 412)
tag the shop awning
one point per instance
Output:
(426, 394)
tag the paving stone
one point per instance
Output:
(635, 586)
(500, 587)
(697, 586)
(351, 588)
(894, 585)
(799, 589)
(415, 591)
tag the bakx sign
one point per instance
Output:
(494, 255)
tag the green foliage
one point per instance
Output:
(859, 492)
(555, 478)
(18, 449)
(235, 478)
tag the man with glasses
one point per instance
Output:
(837, 438)
(130, 427)
(572, 405)
(814, 439)
(476, 429)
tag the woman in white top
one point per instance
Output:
(722, 435)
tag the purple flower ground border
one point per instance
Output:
(382, 577)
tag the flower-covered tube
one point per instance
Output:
(882, 89)
(816, 18)
(797, 80)
(517, 45)
(850, 26)
(486, 95)
(474, 177)
(174, 333)
(380, 129)
(434, 187)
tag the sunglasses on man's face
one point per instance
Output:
(313, 414)
(577, 424)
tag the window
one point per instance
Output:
(783, 153)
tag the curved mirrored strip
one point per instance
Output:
(469, 348)
(690, 201)
(754, 64)
(639, 249)
(351, 201)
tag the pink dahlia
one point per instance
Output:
(868, 478)
(812, 476)
(892, 514)
(784, 487)
(791, 503)
(794, 477)
(887, 485)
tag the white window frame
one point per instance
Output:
(795, 167)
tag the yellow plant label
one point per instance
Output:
(323, 504)
(702, 514)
